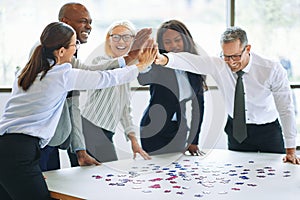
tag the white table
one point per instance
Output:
(221, 174)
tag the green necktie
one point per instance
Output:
(239, 119)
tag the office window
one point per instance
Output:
(22, 23)
(273, 28)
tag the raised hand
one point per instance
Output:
(147, 55)
(140, 39)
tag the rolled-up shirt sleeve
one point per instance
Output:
(284, 103)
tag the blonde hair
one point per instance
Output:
(124, 23)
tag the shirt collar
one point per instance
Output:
(248, 66)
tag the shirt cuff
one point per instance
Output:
(170, 60)
(121, 62)
(146, 70)
(290, 143)
(131, 129)
(77, 149)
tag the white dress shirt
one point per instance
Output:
(184, 86)
(267, 90)
(36, 111)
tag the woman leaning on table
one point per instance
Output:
(33, 110)
(165, 127)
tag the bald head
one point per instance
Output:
(77, 16)
(68, 9)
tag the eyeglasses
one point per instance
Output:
(232, 57)
(125, 38)
(77, 45)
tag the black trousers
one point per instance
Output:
(20, 174)
(170, 140)
(260, 138)
(49, 158)
(72, 158)
(99, 142)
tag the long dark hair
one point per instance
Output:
(54, 36)
(189, 44)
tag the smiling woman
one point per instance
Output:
(113, 105)
(33, 110)
(119, 38)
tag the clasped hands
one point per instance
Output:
(144, 51)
